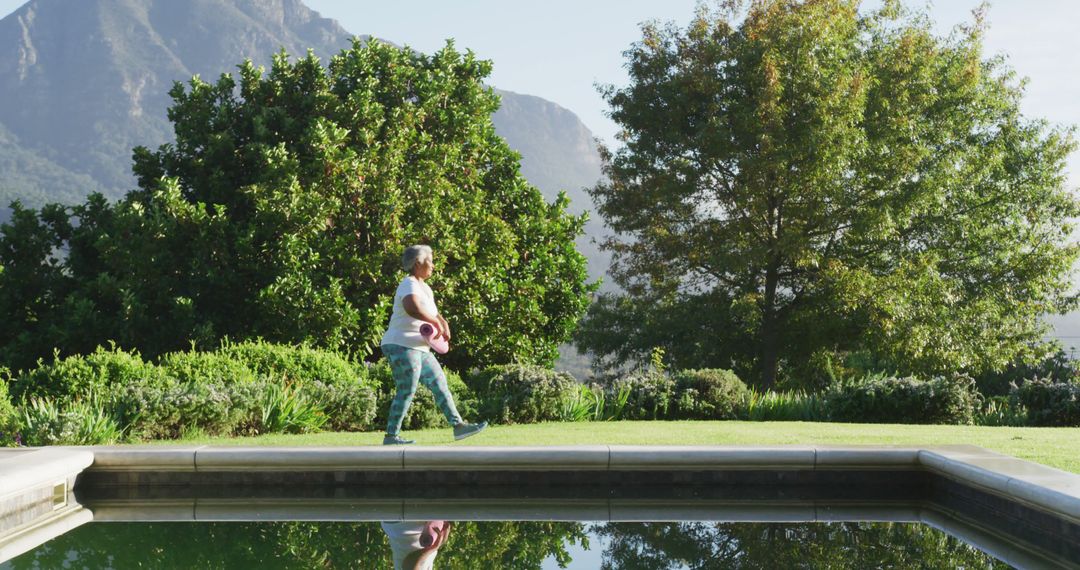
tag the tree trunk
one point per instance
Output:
(769, 332)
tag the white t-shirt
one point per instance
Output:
(404, 330)
(404, 539)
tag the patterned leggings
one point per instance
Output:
(408, 366)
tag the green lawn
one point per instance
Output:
(1057, 447)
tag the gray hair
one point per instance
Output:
(414, 254)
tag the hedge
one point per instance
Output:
(885, 399)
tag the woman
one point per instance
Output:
(410, 356)
(415, 543)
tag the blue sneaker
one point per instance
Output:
(396, 440)
(464, 430)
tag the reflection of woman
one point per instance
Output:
(411, 360)
(415, 543)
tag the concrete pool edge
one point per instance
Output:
(1043, 487)
(1046, 488)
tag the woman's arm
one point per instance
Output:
(422, 311)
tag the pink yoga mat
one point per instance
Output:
(434, 534)
(437, 344)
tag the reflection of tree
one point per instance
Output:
(268, 546)
(631, 546)
(661, 546)
(509, 545)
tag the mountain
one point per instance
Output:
(84, 81)
(558, 153)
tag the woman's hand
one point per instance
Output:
(444, 327)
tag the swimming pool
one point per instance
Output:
(586, 508)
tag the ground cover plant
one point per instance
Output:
(246, 389)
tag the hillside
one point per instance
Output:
(85, 81)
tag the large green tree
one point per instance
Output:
(281, 210)
(801, 179)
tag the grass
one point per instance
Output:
(1056, 447)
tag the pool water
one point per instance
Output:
(512, 545)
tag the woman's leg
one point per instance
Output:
(405, 366)
(433, 377)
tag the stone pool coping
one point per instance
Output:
(1048, 489)
(33, 470)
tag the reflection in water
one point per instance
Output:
(414, 544)
(526, 545)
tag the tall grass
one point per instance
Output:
(287, 410)
(796, 406)
(1001, 411)
(591, 403)
(82, 422)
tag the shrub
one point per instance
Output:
(884, 399)
(285, 409)
(156, 411)
(1055, 366)
(1049, 403)
(92, 375)
(423, 412)
(708, 394)
(650, 395)
(294, 363)
(516, 393)
(9, 420)
(205, 368)
(82, 422)
(348, 407)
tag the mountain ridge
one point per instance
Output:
(85, 81)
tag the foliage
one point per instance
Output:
(32, 283)
(581, 407)
(348, 406)
(168, 411)
(708, 394)
(82, 422)
(290, 544)
(793, 406)
(1049, 403)
(294, 363)
(804, 178)
(1055, 365)
(95, 375)
(280, 212)
(650, 395)
(839, 545)
(198, 367)
(1002, 411)
(8, 413)
(520, 393)
(594, 403)
(887, 399)
(286, 409)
